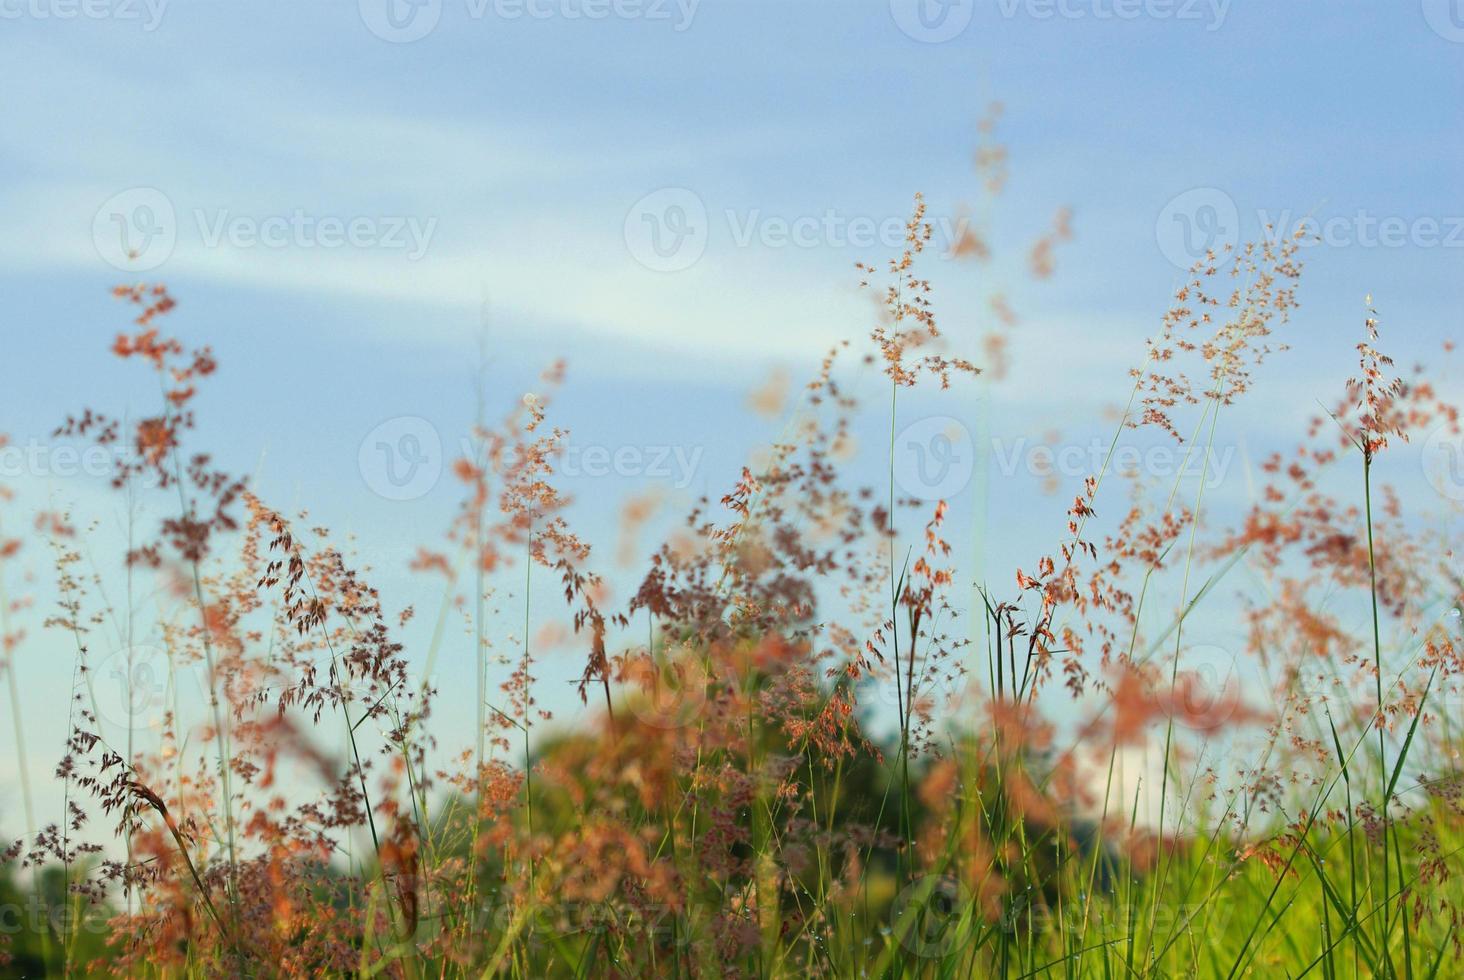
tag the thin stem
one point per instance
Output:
(1372, 570)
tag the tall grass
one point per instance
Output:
(738, 805)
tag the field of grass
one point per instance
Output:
(729, 801)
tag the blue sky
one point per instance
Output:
(503, 174)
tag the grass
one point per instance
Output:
(737, 805)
